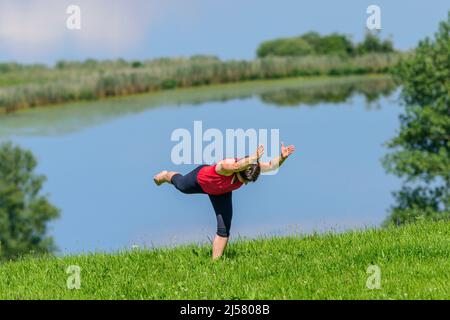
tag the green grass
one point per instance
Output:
(414, 262)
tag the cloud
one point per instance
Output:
(113, 24)
(38, 27)
(30, 22)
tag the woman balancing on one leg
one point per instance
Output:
(218, 182)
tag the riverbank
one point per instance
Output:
(24, 87)
(414, 263)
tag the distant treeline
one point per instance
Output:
(312, 43)
(34, 85)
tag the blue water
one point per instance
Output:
(100, 174)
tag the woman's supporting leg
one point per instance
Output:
(219, 245)
(223, 207)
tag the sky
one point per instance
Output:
(35, 31)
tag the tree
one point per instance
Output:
(284, 47)
(421, 151)
(333, 44)
(310, 43)
(24, 213)
(372, 43)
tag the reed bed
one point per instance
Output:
(28, 87)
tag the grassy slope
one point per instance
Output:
(414, 262)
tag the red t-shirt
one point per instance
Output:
(213, 183)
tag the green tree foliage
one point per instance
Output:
(312, 43)
(421, 150)
(330, 44)
(285, 47)
(24, 213)
(137, 64)
(372, 43)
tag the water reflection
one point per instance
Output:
(331, 92)
(290, 92)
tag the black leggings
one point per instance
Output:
(222, 204)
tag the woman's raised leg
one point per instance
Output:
(185, 183)
(164, 176)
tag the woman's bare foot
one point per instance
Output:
(160, 178)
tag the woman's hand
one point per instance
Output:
(259, 152)
(286, 151)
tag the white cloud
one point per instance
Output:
(113, 23)
(38, 27)
(30, 22)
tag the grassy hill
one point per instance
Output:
(414, 261)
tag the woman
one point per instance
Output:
(219, 181)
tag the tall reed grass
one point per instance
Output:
(75, 81)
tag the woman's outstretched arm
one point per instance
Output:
(276, 162)
(228, 166)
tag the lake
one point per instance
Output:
(100, 157)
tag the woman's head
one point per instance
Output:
(250, 174)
